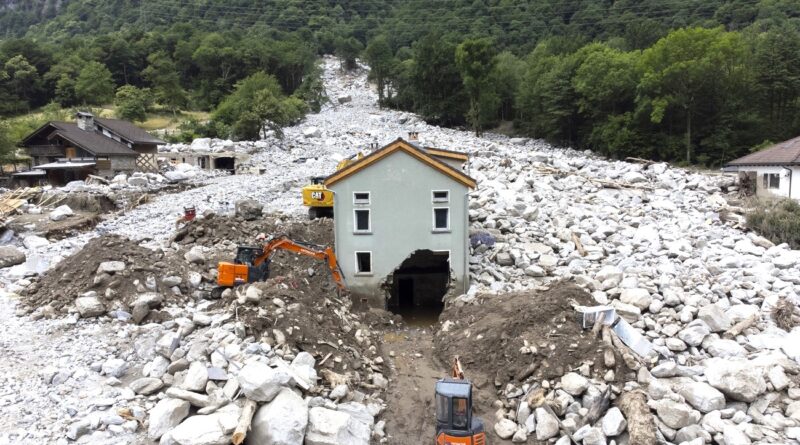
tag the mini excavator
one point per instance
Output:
(252, 263)
(454, 422)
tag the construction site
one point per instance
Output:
(372, 279)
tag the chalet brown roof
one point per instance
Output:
(128, 131)
(91, 141)
(784, 153)
(402, 145)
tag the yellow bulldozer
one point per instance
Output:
(318, 198)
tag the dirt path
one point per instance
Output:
(410, 413)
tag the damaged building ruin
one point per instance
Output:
(402, 225)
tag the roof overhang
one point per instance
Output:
(30, 173)
(401, 145)
(440, 153)
(65, 165)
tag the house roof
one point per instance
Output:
(128, 131)
(784, 153)
(93, 142)
(447, 154)
(401, 145)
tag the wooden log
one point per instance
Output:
(527, 372)
(640, 160)
(248, 410)
(641, 424)
(741, 326)
(597, 409)
(195, 398)
(578, 244)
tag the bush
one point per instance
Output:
(778, 221)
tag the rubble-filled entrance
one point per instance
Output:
(419, 286)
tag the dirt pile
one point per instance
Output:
(513, 337)
(213, 230)
(141, 271)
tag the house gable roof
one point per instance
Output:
(129, 131)
(91, 141)
(400, 144)
(784, 153)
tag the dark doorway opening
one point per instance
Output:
(225, 164)
(419, 286)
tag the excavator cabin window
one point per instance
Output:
(459, 412)
(443, 408)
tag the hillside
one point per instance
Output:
(701, 82)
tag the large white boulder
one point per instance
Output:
(280, 422)
(261, 383)
(737, 379)
(676, 415)
(60, 213)
(196, 377)
(212, 429)
(34, 242)
(701, 396)
(329, 427)
(167, 414)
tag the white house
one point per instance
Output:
(775, 169)
(401, 220)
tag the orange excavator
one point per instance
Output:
(252, 263)
(454, 422)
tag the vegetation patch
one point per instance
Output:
(778, 221)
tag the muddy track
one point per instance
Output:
(410, 412)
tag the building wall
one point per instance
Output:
(785, 180)
(145, 148)
(123, 163)
(401, 211)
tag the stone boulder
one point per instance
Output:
(716, 318)
(212, 429)
(737, 379)
(89, 307)
(637, 297)
(329, 427)
(701, 396)
(167, 414)
(280, 422)
(505, 428)
(110, 267)
(249, 209)
(11, 256)
(261, 383)
(676, 415)
(61, 213)
(574, 383)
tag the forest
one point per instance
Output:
(689, 81)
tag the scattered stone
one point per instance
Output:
(89, 307)
(505, 428)
(282, 421)
(613, 422)
(167, 414)
(11, 256)
(261, 383)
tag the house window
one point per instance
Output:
(361, 198)
(362, 221)
(441, 196)
(364, 263)
(441, 219)
(772, 180)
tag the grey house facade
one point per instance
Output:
(401, 225)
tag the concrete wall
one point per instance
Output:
(785, 180)
(401, 211)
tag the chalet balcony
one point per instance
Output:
(45, 150)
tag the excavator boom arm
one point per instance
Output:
(284, 243)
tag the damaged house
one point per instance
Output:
(67, 151)
(402, 226)
(770, 172)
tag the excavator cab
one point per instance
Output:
(454, 422)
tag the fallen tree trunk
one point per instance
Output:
(245, 420)
(642, 428)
